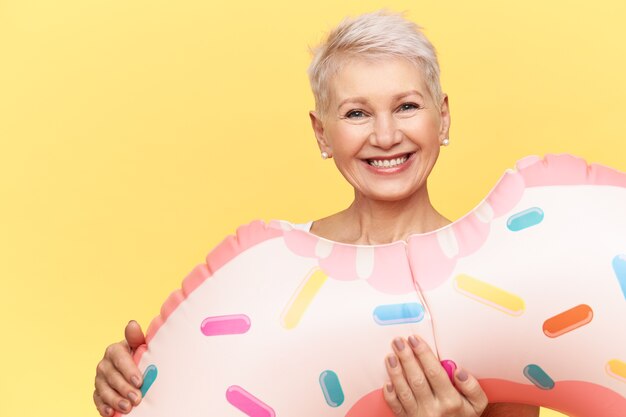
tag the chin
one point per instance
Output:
(392, 194)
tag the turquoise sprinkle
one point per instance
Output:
(539, 377)
(149, 376)
(619, 266)
(333, 394)
(398, 313)
(525, 219)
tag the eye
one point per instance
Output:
(408, 107)
(355, 114)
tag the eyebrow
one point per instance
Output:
(363, 100)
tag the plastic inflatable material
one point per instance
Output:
(527, 292)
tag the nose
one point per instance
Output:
(385, 133)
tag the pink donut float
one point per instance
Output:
(527, 291)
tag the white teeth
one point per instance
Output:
(388, 163)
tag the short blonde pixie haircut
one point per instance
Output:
(376, 35)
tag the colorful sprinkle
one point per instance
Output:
(450, 367)
(248, 403)
(539, 377)
(619, 266)
(490, 295)
(617, 369)
(302, 298)
(398, 313)
(221, 325)
(567, 321)
(149, 376)
(329, 381)
(525, 219)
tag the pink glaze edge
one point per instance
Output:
(574, 398)
(246, 237)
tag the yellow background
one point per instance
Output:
(134, 135)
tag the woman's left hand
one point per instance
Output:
(420, 387)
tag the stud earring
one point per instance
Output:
(445, 142)
(324, 155)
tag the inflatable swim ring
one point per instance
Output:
(527, 291)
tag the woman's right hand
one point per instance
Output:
(118, 378)
(419, 386)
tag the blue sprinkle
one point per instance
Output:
(398, 313)
(525, 219)
(329, 381)
(619, 266)
(538, 376)
(149, 376)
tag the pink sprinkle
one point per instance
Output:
(450, 367)
(248, 403)
(220, 325)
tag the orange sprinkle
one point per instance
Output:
(568, 320)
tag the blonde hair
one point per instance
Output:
(376, 35)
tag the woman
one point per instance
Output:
(381, 115)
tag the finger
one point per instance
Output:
(103, 409)
(110, 397)
(471, 390)
(389, 393)
(116, 381)
(122, 360)
(413, 371)
(435, 373)
(402, 390)
(107, 374)
(134, 335)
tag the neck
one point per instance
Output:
(375, 222)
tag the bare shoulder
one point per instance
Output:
(510, 410)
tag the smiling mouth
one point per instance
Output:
(389, 162)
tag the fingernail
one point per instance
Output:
(399, 343)
(132, 396)
(414, 342)
(108, 410)
(462, 375)
(389, 387)
(393, 362)
(136, 381)
(124, 405)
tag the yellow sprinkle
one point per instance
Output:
(490, 295)
(616, 369)
(301, 299)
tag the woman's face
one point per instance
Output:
(382, 128)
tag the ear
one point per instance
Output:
(444, 115)
(318, 128)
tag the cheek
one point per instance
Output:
(348, 140)
(424, 132)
